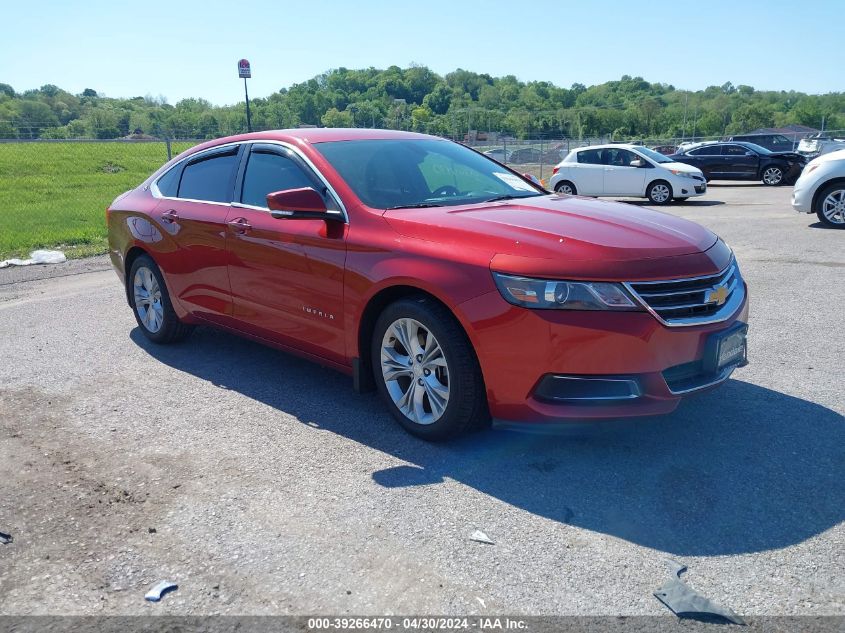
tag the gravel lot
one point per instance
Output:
(263, 485)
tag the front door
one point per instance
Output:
(620, 179)
(740, 162)
(286, 274)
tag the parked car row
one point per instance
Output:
(742, 161)
(626, 170)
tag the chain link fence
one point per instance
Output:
(53, 194)
(539, 156)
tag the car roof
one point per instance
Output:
(311, 135)
(608, 146)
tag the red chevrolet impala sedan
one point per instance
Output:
(459, 289)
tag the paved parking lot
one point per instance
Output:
(262, 484)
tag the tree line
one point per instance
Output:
(418, 99)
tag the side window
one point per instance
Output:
(734, 150)
(707, 150)
(616, 157)
(168, 184)
(590, 157)
(268, 172)
(209, 178)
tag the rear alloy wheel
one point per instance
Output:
(426, 370)
(151, 303)
(772, 176)
(565, 187)
(831, 206)
(659, 192)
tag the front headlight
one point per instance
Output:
(684, 174)
(563, 295)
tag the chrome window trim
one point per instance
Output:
(723, 314)
(154, 190)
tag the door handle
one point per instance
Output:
(240, 225)
(169, 216)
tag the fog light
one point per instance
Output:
(560, 388)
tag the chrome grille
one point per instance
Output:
(694, 300)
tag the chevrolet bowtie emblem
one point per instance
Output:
(717, 295)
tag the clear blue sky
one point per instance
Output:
(188, 48)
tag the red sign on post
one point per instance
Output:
(243, 69)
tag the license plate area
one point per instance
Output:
(727, 348)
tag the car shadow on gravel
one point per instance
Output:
(737, 470)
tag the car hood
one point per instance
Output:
(558, 235)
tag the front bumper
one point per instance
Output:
(644, 366)
(802, 195)
(688, 187)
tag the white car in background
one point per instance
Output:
(821, 189)
(626, 170)
(819, 144)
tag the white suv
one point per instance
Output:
(821, 189)
(626, 170)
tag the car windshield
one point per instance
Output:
(409, 173)
(657, 157)
(757, 148)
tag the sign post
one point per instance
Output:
(244, 72)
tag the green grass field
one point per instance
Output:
(54, 195)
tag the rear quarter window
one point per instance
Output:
(168, 184)
(590, 157)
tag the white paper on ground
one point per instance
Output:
(36, 257)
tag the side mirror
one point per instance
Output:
(298, 204)
(637, 162)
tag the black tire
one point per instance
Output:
(563, 184)
(659, 192)
(820, 204)
(772, 175)
(466, 408)
(170, 329)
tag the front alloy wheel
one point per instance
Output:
(831, 207)
(772, 176)
(415, 371)
(659, 192)
(426, 369)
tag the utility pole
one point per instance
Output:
(244, 72)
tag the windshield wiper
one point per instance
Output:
(419, 205)
(512, 197)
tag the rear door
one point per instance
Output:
(588, 173)
(194, 216)
(286, 274)
(620, 178)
